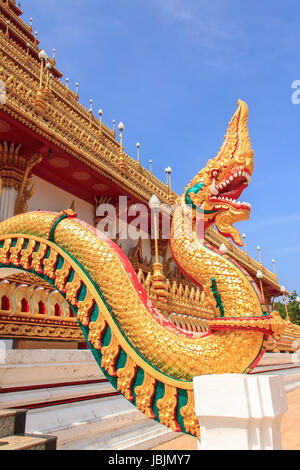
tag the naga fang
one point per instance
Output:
(145, 357)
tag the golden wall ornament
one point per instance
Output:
(27, 254)
(85, 308)
(50, 264)
(40, 320)
(190, 420)
(96, 331)
(12, 165)
(72, 290)
(144, 396)
(167, 408)
(125, 379)
(124, 323)
(109, 356)
(26, 189)
(62, 276)
(38, 258)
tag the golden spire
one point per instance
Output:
(284, 293)
(158, 279)
(244, 238)
(138, 145)
(122, 161)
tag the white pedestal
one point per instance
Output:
(240, 412)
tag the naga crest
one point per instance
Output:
(216, 190)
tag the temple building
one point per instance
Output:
(45, 133)
(45, 366)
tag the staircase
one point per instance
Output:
(65, 395)
(13, 437)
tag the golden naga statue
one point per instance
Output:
(149, 360)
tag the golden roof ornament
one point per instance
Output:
(100, 112)
(138, 146)
(159, 286)
(122, 163)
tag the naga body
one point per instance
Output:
(149, 360)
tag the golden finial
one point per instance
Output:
(121, 128)
(259, 252)
(158, 279)
(284, 293)
(7, 28)
(260, 276)
(48, 67)
(27, 51)
(43, 57)
(138, 145)
(244, 238)
(168, 175)
(167, 180)
(50, 80)
(273, 261)
(100, 112)
(91, 112)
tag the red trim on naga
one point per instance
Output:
(53, 385)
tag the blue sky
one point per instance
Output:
(173, 71)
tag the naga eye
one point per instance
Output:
(215, 173)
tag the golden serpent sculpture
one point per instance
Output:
(150, 361)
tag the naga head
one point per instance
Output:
(216, 190)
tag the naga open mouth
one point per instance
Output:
(231, 188)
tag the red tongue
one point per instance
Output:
(235, 188)
(233, 194)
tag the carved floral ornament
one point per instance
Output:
(15, 172)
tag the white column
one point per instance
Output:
(239, 412)
(6, 344)
(7, 203)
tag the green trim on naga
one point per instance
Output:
(214, 289)
(195, 190)
(51, 236)
(89, 277)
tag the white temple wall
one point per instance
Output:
(147, 249)
(129, 244)
(51, 198)
(7, 203)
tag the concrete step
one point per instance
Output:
(28, 442)
(82, 414)
(13, 437)
(103, 424)
(12, 422)
(292, 382)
